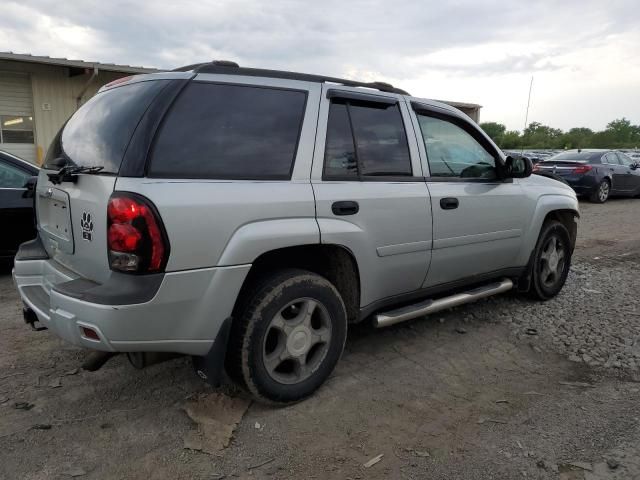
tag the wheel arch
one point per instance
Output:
(551, 207)
(334, 262)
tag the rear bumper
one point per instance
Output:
(183, 315)
(582, 184)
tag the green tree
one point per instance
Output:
(622, 133)
(495, 130)
(579, 137)
(537, 135)
(511, 139)
(619, 133)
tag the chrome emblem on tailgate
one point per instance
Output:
(86, 223)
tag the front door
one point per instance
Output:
(369, 190)
(630, 176)
(478, 219)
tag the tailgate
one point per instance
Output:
(72, 222)
(72, 214)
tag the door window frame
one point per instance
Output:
(330, 92)
(474, 131)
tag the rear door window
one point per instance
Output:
(99, 132)
(365, 139)
(222, 131)
(623, 159)
(611, 158)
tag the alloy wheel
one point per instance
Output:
(603, 191)
(552, 261)
(297, 340)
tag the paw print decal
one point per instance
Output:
(86, 223)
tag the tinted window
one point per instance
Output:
(611, 158)
(381, 147)
(229, 131)
(453, 152)
(12, 177)
(339, 153)
(99, 132)
(380, 139)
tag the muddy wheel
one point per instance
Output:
(288, 338)
(550, 262)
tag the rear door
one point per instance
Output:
(370, 194)
(72, 213)
(617, 172)
(630, 176)
(478, 219)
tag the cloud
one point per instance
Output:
(482, 51)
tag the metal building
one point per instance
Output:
(39, 94)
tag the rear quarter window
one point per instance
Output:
(99, 132)
(221, 131)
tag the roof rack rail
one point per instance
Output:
(196, 66)
(232, 68)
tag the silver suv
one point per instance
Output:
(245, 217)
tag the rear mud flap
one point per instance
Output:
(210, 367)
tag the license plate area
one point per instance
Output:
(54, 219)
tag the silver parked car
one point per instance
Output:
(245, 217)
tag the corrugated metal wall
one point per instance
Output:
(54, 96)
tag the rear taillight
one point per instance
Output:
(136, 238)
(582, 169)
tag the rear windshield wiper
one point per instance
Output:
(70, 173)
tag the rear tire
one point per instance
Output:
(601, 194)
(288, 336)
(550, 262)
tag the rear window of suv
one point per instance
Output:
(222, 131)
(99, 132)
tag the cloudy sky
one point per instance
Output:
(584, 55)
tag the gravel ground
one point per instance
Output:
(596, 319)
(505, 388)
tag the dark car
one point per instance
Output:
(596, 174)
(17, 180)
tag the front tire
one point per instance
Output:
(288, 337)
(601, 194)
(550, 262)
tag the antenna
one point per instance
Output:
(526, 115)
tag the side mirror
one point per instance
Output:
(30, 185)
(518, 167)
(635, 166)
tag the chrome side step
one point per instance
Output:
(431, 306)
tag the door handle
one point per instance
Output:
(449, 203)
(345, 208)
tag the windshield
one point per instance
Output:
(97, 135)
